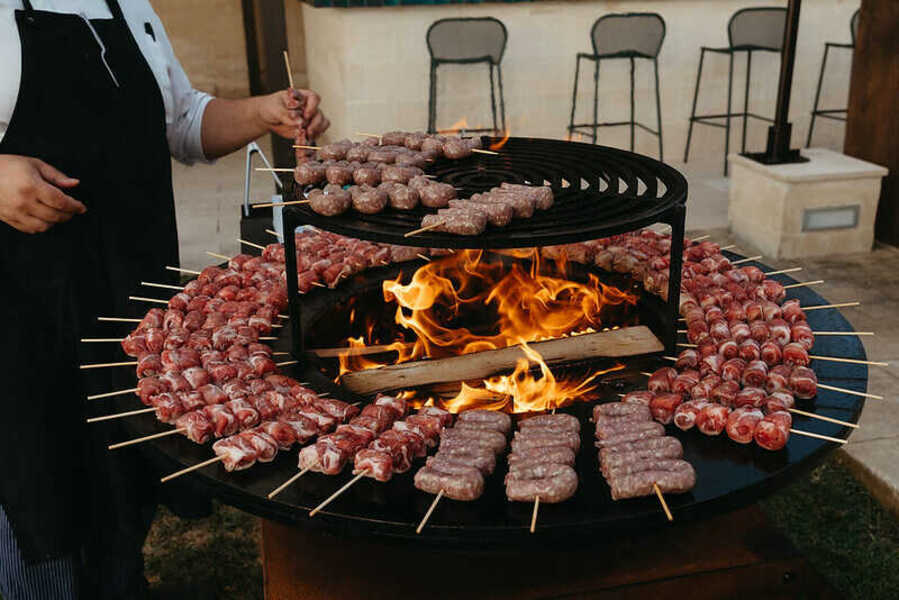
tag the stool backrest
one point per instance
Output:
(853, 25)
(628, 34)
(758, 28)
(467, 40)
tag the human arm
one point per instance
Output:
(31, 198)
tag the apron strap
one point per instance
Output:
(116, 10)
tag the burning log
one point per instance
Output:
(629, 341)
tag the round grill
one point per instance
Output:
(599, 191)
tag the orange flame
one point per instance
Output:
(455, 127)
(502, 142)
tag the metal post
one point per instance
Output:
(290, 223)
(811, 127)
(632, 103)
(730, 89)
(778, 149)
(655, 63)
(676, 258)
(577, 72)
(596, 102)
(693, 110)
(492, 98)
(746, 98)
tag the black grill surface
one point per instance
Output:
(599, 191)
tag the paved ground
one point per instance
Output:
(208, 200)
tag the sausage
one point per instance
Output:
(483, 461)
(559, 421)
(618, 409)
(309, 173)
(637, 430)
(641, 484)
(558, 487)
(339, 174)
(399, 174)
(432, 145)
(419, 182)
(523, 207)
(617, 423)
(466, 487)
(640, 465)
(335, 151)
(655, 444)
(459, 464)
(369, 200)
(498, 215)
(535, 470)
(358, 153)
(436, 195)
(382, 155)
(493, 440)
(556, 455)
(568, 439)
(542, 195)
(413, 141)
(331, 202)
(499, 421)
(367, 175)
(653, 449)
(456, 148)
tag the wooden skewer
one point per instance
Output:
(423, 229)
(803, 284)
(275, 169)
(269, 338)
(143, 299)
(121, 414)
(217, 255)
(534, 514)
(344, 488)
(423, 257)
(162, 285)
(129, 363)
(289, 203)
(371, 135)
(688, 345)
(97, 340)
(728, 247)
(742, 260)
(286, 363)
(193, 468)
(317, 284)
(424, 519)
(664, 504)
(251, 244)
(119, 320)
(180, 270)
(790, 270)
(850, 392)
(823, 418)
(700, 238)
(284, 316)
(274, 233)
(111, 394)
(645, 373)
(818, 435)
(307, 147)
(287, 483)
(671, 358)
(481, 151)
(280, 353)
(840, 305)
(287, 66)
(852, 361)
(147, 438)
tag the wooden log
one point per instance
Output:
(629, 341)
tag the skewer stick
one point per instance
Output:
(790, 270)
(482, 151)
(534, 514)
(307, 147)
(664, 504)
(286, 363)
(823, 418)
(852, 361)
(273, 232)
(289, 203)
(269, 338)
(180, 270)
(331, 498)
(850, 392)
(818, 436)
(121, 414)
(287, 483)
(423, 229)
(424, 519)
(728, 247)
(275, 169)
(147, 438)
(164, 286)
(318, 284)
(130, 363)
(700, 238)
(423, 257)
(96, 340)
(119, 320)
(217, 255)
(193, 468)
(143, 299)
(688, 346)
(251, 244)
(803, 284)
(742, 260)
(839, 305)
(111, 394)
(287, 66)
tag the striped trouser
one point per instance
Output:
(50, 580)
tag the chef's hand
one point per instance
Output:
(30, 196)
(278, 113)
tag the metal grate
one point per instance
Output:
(599, 191)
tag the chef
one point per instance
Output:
(93, 106)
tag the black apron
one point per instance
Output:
(60, 487)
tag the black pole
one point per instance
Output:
(778, 148)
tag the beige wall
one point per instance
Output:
(371, 67)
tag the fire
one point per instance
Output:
(465, 303)
(502, 142)
(460, 125)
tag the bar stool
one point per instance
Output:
(467, 41)
(749, 30)
(837, 114)
(617, 36)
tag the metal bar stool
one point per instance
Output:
(468, 41)
(749, 30)
(837, 114)
(629, 36)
